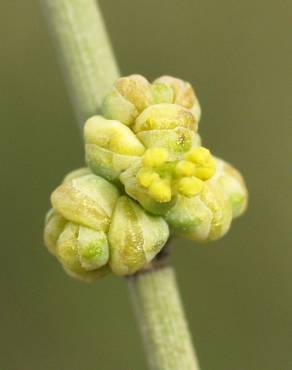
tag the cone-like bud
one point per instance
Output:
(111, 147)
(190, 218)
(170, 126)
(135, 237)
(165, 117)
(162, 93)
(54, 225)
(232, 183)
(162, 114)
(76, 228)
(76, 173)
(91, 225)
(208, 215)
(82, 251)
(215, 200)
(87, 200)
(183, 94)
(135, 89)
(129, 96)
(177, 141)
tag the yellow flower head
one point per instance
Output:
(165, 178)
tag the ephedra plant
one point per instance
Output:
(146, 179)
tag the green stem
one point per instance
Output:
(90, 69)
(84, 51)
(162, 321)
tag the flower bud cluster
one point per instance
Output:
(147, 175)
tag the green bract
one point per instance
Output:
(147, 173)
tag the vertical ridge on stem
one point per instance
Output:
(84, 51)
(162, 320)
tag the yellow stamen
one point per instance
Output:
(185, 168)
(199, 155)
(190, 186)
(160, 191)
(146, 176)
(206, 171)
(154, 157)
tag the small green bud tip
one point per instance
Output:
(183, 94)
(162, 93)
(147, 172)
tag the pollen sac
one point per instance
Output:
(156, 181)
(110, 146)
(149, 182)
(190, 186)
(135, 237)
(144, 185)
(203, 161)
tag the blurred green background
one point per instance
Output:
(238, 55)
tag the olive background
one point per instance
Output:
(237, 291)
